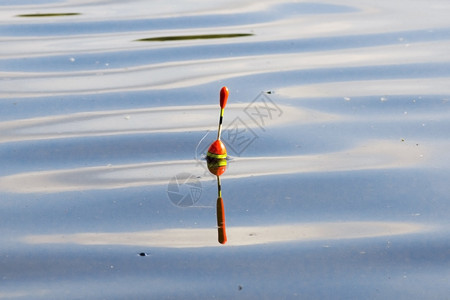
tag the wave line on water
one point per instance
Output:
(133, 121)
(238, 235)
(372, 155)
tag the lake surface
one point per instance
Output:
(337, 130)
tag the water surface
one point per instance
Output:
(336, 128)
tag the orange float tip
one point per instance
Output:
(223, 97)
(217, 166)
(222, 234)
(217, 150)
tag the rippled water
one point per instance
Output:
(336, 127)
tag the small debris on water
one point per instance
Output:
(240, 287)
(388, 244)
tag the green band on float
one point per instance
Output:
(213, 155)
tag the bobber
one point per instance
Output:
(217, 149)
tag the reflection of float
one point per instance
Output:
(222, 233)
(216, 159)
(218, 167)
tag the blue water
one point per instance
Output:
(337, 134)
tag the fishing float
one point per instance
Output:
(217, 149)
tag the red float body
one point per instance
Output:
(217, 150)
